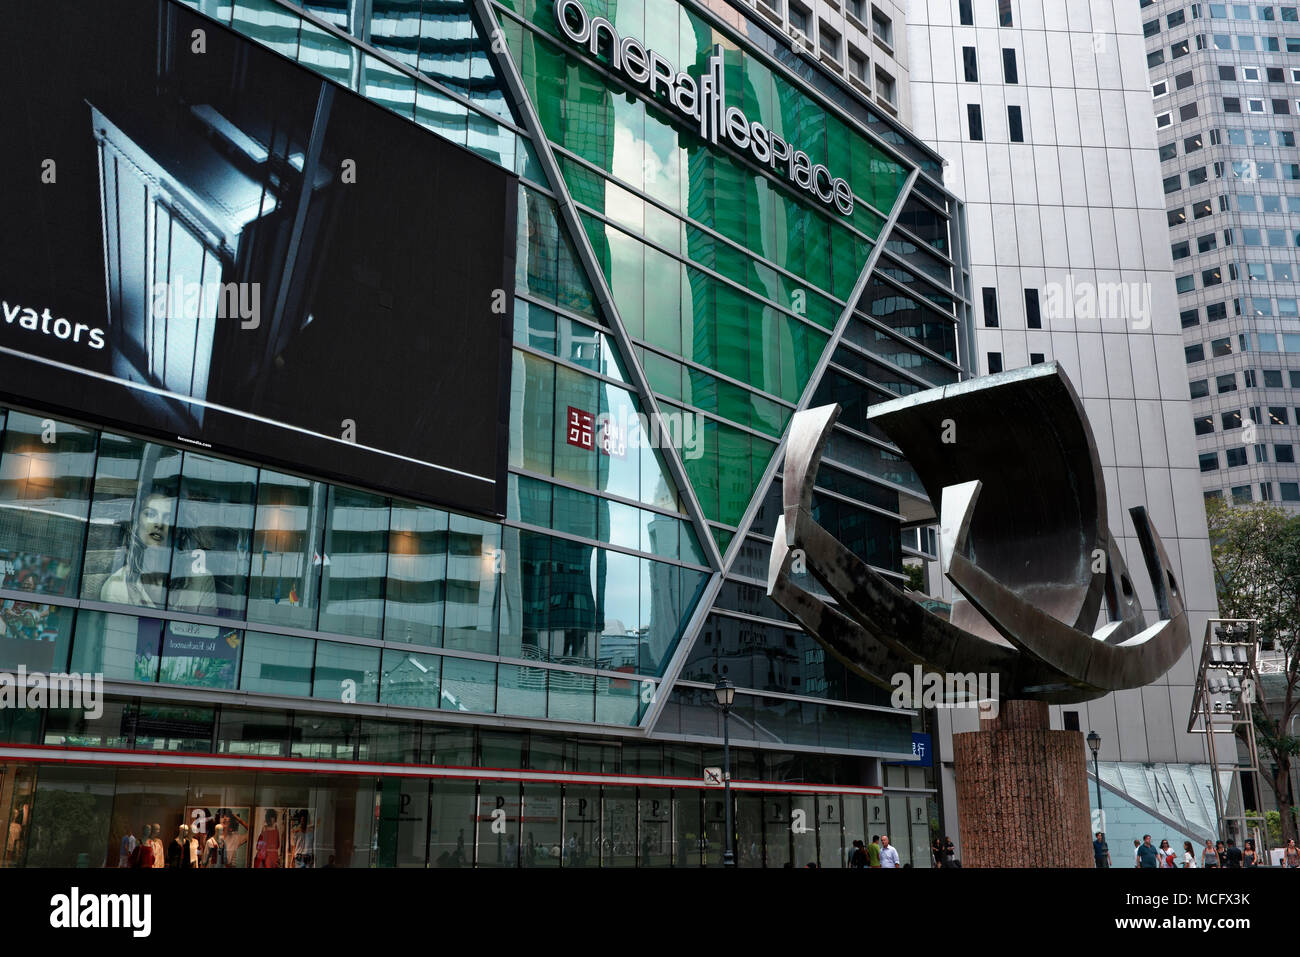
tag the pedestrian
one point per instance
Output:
(1189, 856)
(873, 851)
(1148, 856)
(936, 852)
(1249, 857)
(1209, 856)
(1166, 855)
(888, 854)
(1232, 857)
(1101, 850)
(1137, 846)
(949, 851)
(859, 857)
(1222, 851)
(1291, 856)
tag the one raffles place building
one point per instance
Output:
(391, 404)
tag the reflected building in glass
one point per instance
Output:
(676, 299)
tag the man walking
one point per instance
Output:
(888, 854)
(1101, 851)
(1148, 856)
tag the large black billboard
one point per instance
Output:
(204, 242)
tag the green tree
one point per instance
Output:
(1255, 549)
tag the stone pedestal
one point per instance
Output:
(1022, 792)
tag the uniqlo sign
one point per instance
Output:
(581, 430)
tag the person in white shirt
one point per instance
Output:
(888, 853)
(1189, 858)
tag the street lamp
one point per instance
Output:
(1094, 744)
(726, 693)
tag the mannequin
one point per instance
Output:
(216, 848)
(178, 852)
(191, 849)
(159, 852)
(142, 856)
(129, 844)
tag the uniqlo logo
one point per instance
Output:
(613, 439)
(581, 429)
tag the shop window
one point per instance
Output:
(45, 487)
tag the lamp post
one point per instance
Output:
(726, 693)
(1094, 744)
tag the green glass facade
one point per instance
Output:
(665, 284)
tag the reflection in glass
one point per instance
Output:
(120, 647)
(776, 829)
(417, 573)
(44, 500)
(353, 563)
(452, 811)
(474, 563)
(277, 664)
(581, 847)
(498, 824)
(128, 548)
(410, 679)
(541, 831)
(468, 685)
(618, 828)
(346, 673)
(213, 546)
(288, 537)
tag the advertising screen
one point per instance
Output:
(203, 242)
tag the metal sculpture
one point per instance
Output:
(1024, 537)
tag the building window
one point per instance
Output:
(1209, 461)
(1231, 104)
(990, 307)
(1187, 111)
(1290, 491)
(1159, 89)
(1203, 424)
(970, 65)
(1163, 120)
(1273, 379)
(1206, 243)
(1226, 383)
(1195, 177)
(799, 18)
(1173, 183)
(1221, 347)
(1183, 80)
(1194, 353)
(1193, 143)
(1236, 457)
(1177, 217)
(1014, 124)
(1036, 358)
(1009, 71)
(1155, 58)
(1228, 73)
(1279, 415)
(1151, 27)
(975, 121)
(1284, 454)
(965, 14)
(1033, 315)
(1004, 13)
(1176, 19)
(1199, 388)
(829, 40)
(1240, 493)
(885, 86)
(882, 27)
(1266, 491)
(995, 362)
(1180, 250)
(1230, 420)
(858, 66)
(1281, 106)
(1189, 318)
(1168, 152)
(1216, 311)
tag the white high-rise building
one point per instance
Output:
(1043, 111)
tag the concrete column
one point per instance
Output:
(1022, 791)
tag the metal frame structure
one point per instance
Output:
(1226, 686)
